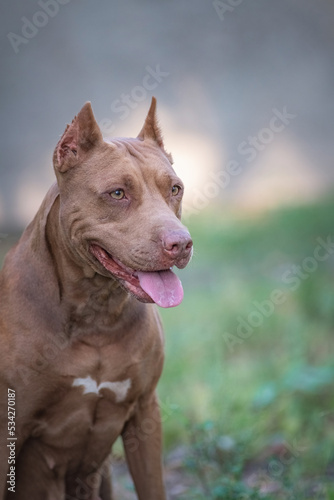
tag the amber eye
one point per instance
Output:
(118, 194)
(175, 190)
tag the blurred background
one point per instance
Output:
(245, 95)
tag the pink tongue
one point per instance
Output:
(164, 287)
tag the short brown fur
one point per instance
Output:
(64, 316)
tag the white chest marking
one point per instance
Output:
(120, 389)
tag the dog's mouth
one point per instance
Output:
(162, 287)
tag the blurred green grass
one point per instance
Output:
(277, 385)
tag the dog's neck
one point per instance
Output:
(92, 304)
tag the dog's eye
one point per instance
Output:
(175, 190)
(118, 194)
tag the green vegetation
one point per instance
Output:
(269, 387)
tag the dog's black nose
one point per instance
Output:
(177, 244)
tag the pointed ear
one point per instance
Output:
(79, 137)
(151, 129)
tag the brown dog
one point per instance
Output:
(81, 342)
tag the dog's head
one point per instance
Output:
(120, 207)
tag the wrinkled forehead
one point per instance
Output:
(126, 163)
(138, 148)
(144, 155)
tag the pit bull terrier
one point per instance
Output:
(80, 337)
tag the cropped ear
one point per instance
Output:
(79, 137)
(151, 129)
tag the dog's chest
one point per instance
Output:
(95, 396)
(88, 385)
(91, 390)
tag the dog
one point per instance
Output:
(80, 336)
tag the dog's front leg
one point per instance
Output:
(142, 444)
